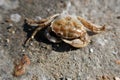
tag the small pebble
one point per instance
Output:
(91, 50)
(69, 79)
(23, 50)
(15, 17)
(7, 40)
(10, 24)
(31, 44)
(9, 4)
(116, 78)
(11, 31)
(48, 10)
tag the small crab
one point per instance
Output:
(68, 28)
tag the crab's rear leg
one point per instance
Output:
(79, 42)
(41, 26)
(91, 26)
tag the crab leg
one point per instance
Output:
(91, 26)
(32, 22)
(41, 26)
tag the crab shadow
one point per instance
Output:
(60, 47)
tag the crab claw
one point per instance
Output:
(78, 43)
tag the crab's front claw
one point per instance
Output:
(77, 43)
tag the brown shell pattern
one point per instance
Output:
(68, 27)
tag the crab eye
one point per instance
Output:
(68, 18)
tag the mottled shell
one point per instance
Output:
(68, 27)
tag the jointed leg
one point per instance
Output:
(34, 33)
(40, 26)
(91, 26)
(32, 22)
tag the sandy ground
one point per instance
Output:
(100, 60)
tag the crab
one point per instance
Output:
(68, 28)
